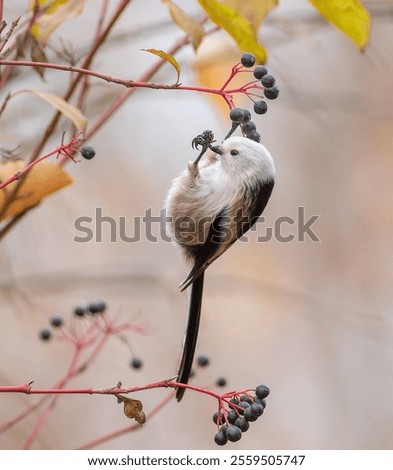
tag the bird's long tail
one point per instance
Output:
(190, 340)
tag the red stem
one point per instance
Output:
(112, 435)
(28, 390)
(61, 149)
(117, 80)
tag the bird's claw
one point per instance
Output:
(203, 140)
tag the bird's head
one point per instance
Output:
(239, 154)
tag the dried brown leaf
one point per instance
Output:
(132, 409)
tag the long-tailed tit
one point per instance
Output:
(209, 206)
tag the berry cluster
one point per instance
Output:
(90, 311)
(264, 82)
(242, 409)
(57, 321)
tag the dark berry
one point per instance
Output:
(220, 438)
(257, 408)
(249, 127)
(234, 433)
(236, 115)
(215, 418)
(271, 93)
(248, 60)
(262, 401)
(243, 405)
(247, 115)
(242, 423)
(192, 373)
(250, 415)
(260, 71)
(221, 382)
(45, 334)
(56, 321)
(262, 391)
(136, 363)
(98, 306)
(234, 400)
(246, 398)
(256, 136)
(224, 429)
(79, 311)
(88, 152)
(268, 81)
(232, 416)
(203, 360)
(260, 107)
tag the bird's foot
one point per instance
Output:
(203, 140)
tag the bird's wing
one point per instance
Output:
(204, 252)
(228, 226)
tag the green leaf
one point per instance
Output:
(186, 23)
(169, 58)
(350, 16)
(239, 27)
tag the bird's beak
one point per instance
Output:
(217, 149)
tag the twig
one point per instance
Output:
(61, 149)
(124, 82)
(4, 41)
(107, 114)
(29, 390)
(45, 415)
(51, 126)
(112, 435)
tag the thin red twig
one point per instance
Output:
(124, 430)
(29, 390)
(61, 149)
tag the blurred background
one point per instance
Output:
(312, 320)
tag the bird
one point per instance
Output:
(209, 206)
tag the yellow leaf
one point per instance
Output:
(254, 10)
(187, 24)
(41, 181)
(169, 58)
(350, 16)
(58, 12)
(51, 5)
(70, 111)
(236, 25)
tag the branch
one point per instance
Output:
(65, 149)
(112, 435)
(125, 82)
(51, 126)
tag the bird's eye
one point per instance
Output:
(234, 152)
